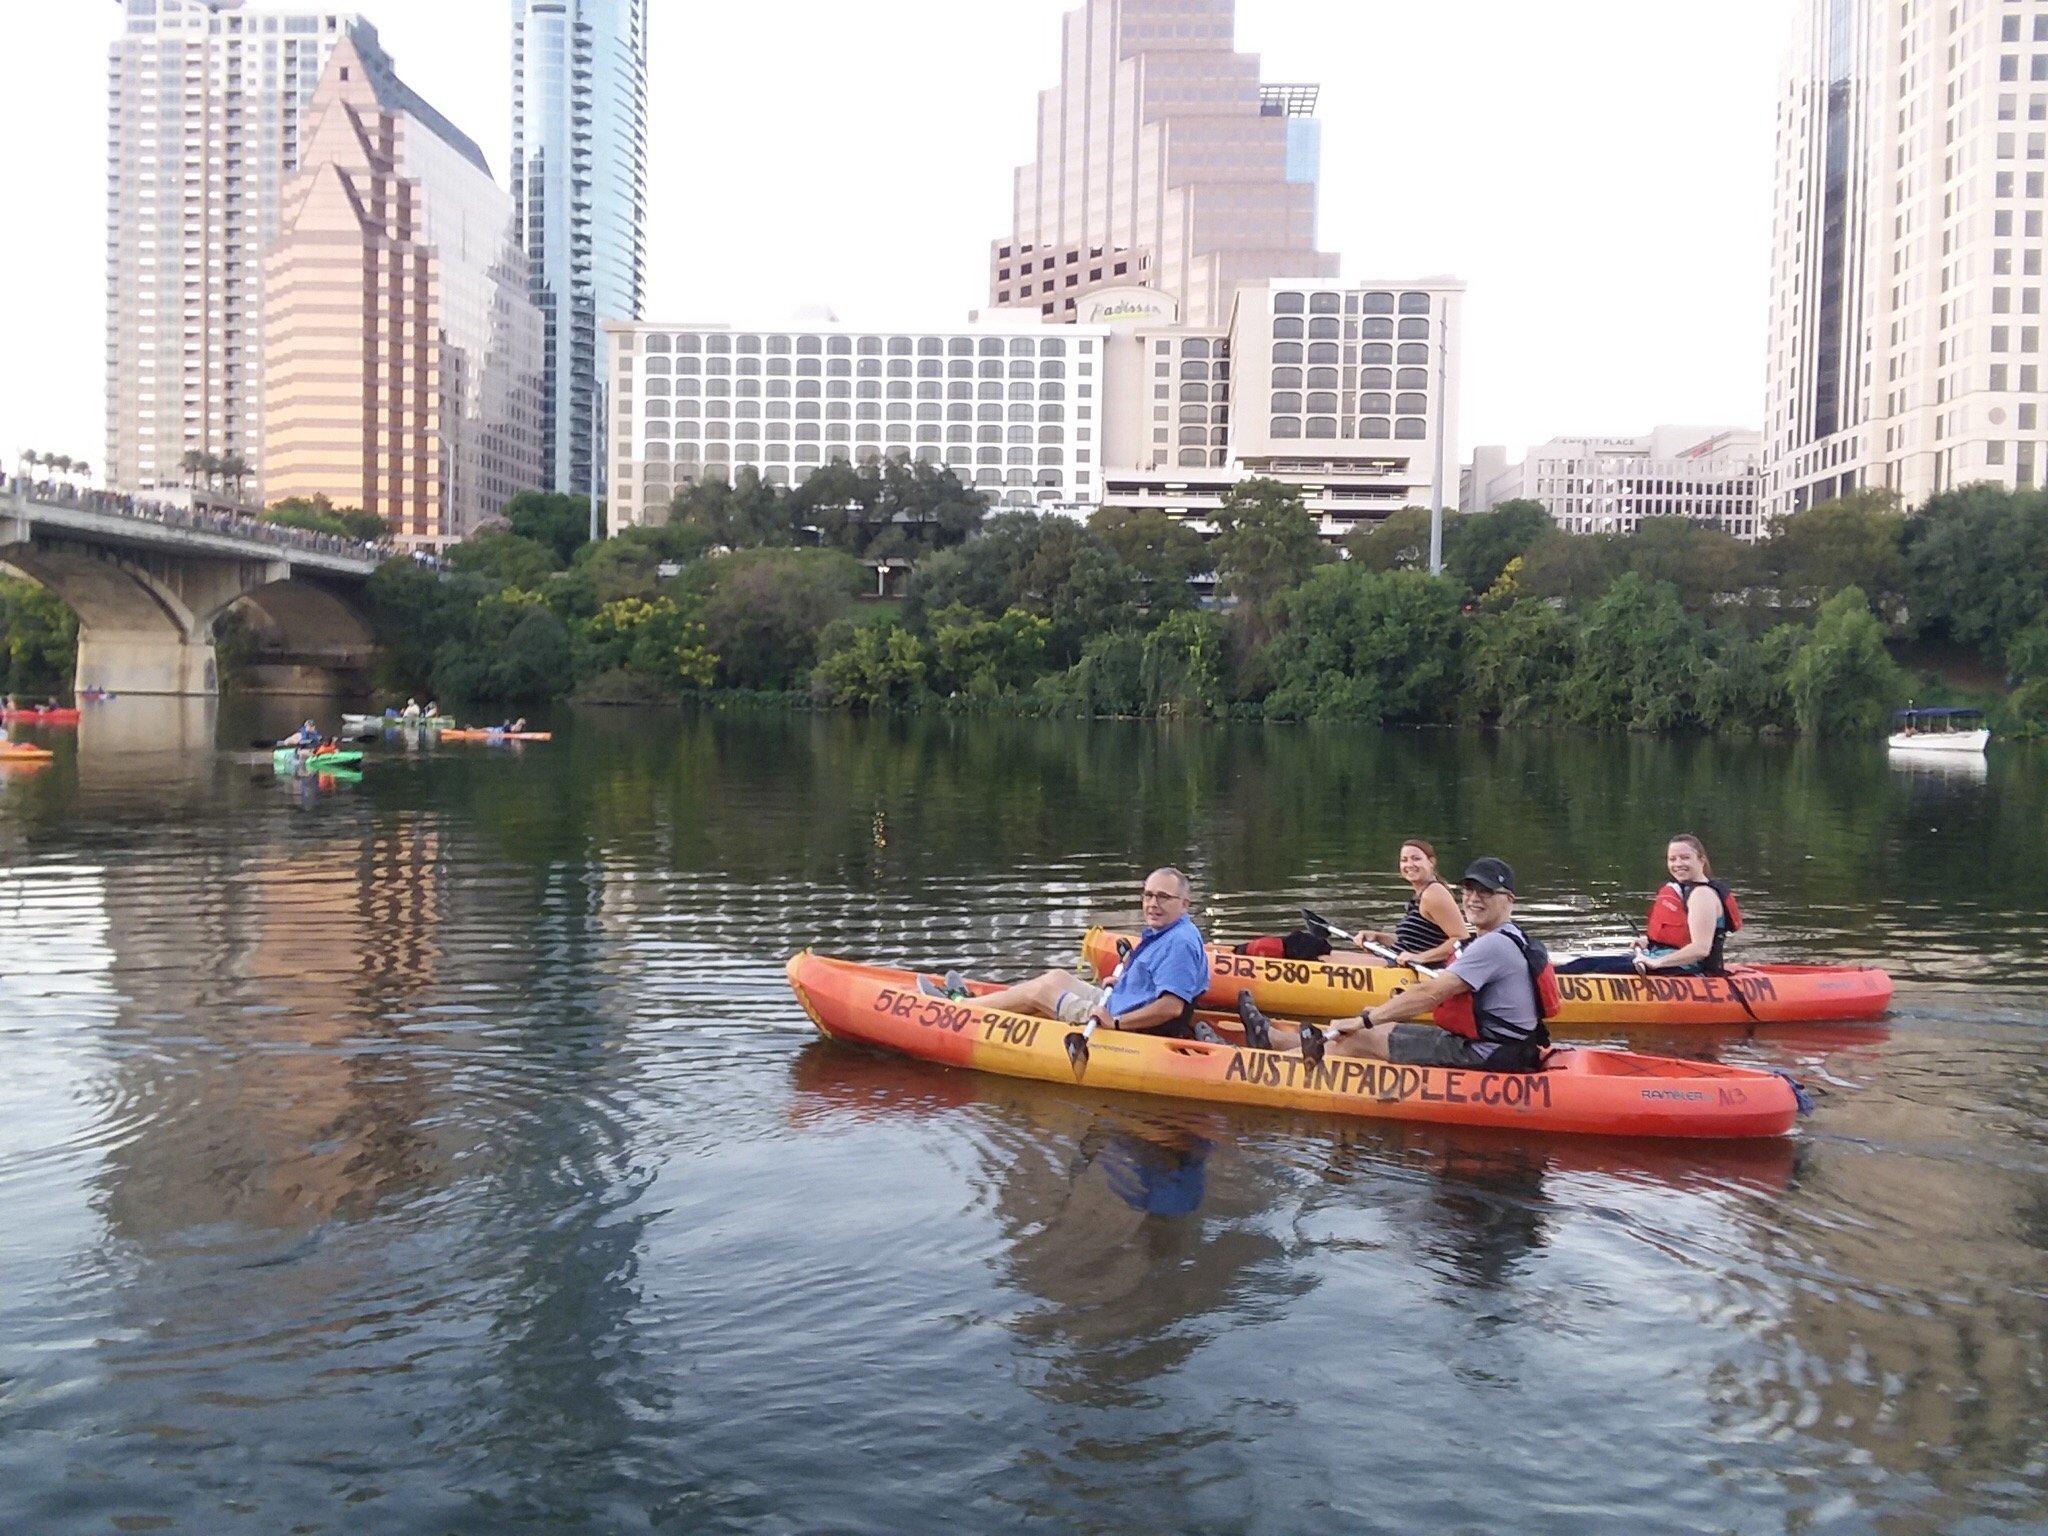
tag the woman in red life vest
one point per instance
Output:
(1689, 921)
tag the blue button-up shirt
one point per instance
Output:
(1169, 959)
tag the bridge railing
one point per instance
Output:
(199, 520)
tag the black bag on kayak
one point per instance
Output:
(1298, 945)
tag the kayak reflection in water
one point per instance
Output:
(1154, 991)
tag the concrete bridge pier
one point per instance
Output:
(130, 663)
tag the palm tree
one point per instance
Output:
(29, 459)
(82, 469)
(210, 464)
(235, 468)
(192, 463)
(60, 462)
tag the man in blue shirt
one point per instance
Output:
(1166, 970)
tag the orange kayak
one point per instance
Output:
(22, 752)
(1587, 1092)
(1340, 985)
(471, 733)
(59, 716)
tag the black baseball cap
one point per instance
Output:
(1492, 874)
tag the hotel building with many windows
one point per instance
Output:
(1013, 409)
(1906, 307)
(1711, 475)
(1344, 390)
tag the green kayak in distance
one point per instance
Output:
(286, 760)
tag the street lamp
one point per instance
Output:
(1443, 411)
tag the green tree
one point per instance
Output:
(884, 507)
(985, 573)
(555, 520)
(1841, 680)
(1639, 660)
(38, 639)
(1109, 679)
(1163, 552)
(1977, 564)
(516, 650)
(1575, 568)
(763, 610)
(1705, 566)
(503, 559)
(318, 514)
(1182, 667)
(986, 657)
(414, 613)
(869, 666)
(2027, 658)
(1265, 543)
(1517, 658)
(1479, 545)
(1397, 542)
(747, 512)
(1075, 580)
(1852, 541)
(1366, 645)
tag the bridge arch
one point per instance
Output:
(310, 638)
(136, 632)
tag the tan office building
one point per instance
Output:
(402, 352)
(204, 101)
(1162, 159)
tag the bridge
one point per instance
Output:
(149, 580)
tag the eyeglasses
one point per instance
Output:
(1164, 896)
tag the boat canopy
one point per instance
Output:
(1937, 714)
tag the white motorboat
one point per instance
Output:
(1944, 731)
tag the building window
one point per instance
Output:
(1379, 303)
(1286, 401)
(1284, 378)
(1287, 329)
(1322, 426)
(1321, 378)
(1287, 303)
(1374, 426)
(1414, 352)
(1414, 303)
(1409, 427)
(1286, 426)
(1415, 330)
(1377, 330)
(1324, 304)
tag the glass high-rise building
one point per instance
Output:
(579, 177)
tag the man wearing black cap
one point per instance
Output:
(1497, 968)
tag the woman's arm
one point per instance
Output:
(1440, 909)
(1702, 917)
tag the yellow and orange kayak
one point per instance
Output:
(1587, 1092)
(1340, 985)
(23, 752)
(473, 733)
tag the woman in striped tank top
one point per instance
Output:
(1425, 934)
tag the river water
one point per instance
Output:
(445, 1153)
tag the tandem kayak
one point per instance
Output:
(287, 760)
(1340, 985)
(474, 733)
(40, 716)
(1584, 1092)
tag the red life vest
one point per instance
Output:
(1671, 922)
(1460, 1014)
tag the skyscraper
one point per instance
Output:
(579, 177)
(203, 107)
(402, 351)
(1161, 159)
(1906, 283)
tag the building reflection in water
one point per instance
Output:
(260, 1089)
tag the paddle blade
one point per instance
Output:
(1077, 1053)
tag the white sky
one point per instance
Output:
(1597, 170)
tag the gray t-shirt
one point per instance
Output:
(1493, 967)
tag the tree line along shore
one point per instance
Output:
(756, 592)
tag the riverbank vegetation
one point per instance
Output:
(753, 591)
(890, 586)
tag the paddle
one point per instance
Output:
(1077, 1039)
(1330, 934)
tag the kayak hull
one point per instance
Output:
(22, 752)
(39, 716)
(286, 759)
(471, 734)
(1581, 1092)
(395, 722)
(1341, 985)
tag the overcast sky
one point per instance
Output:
(1598, 171)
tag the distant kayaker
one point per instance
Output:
(1424, 936)
(1486, 1004)
(307, 735)
(1690, 921)
(433, 711)
(1165, 972)
(411, 710)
